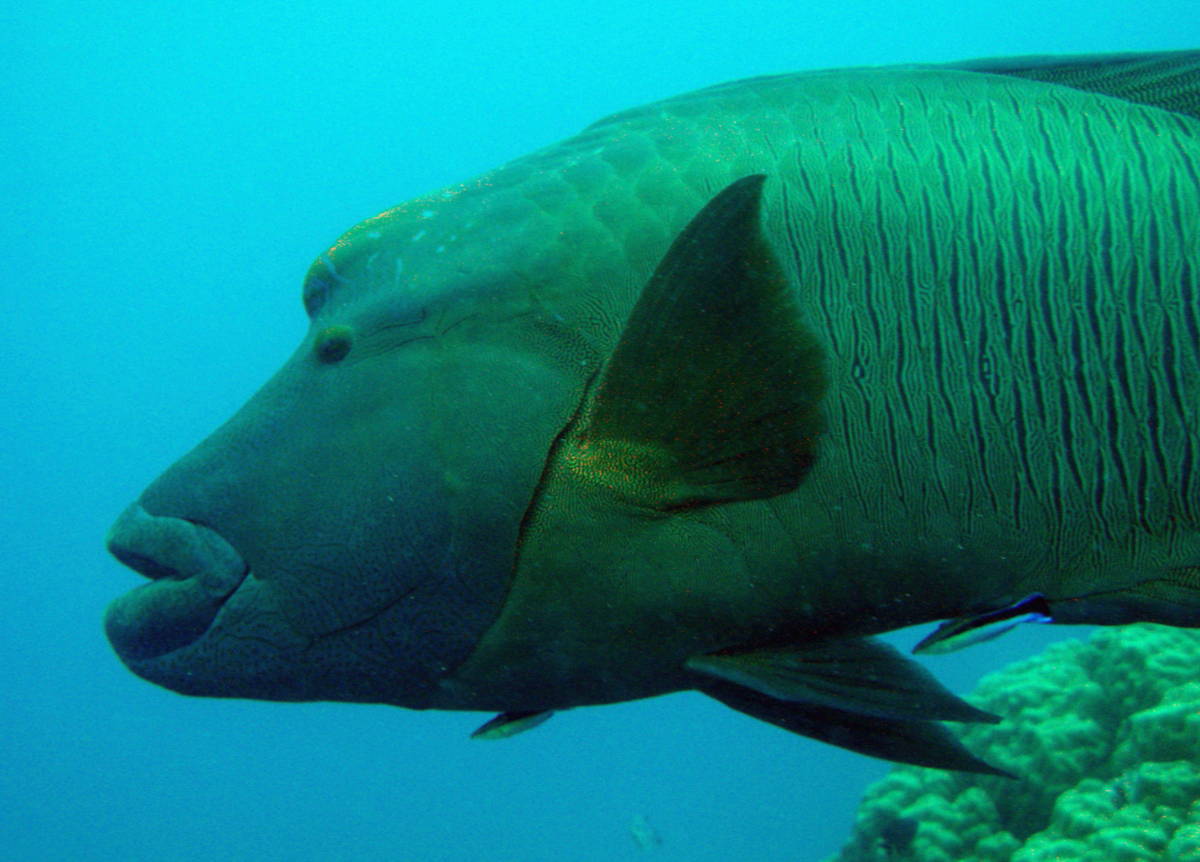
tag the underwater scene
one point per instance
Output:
(559, 431)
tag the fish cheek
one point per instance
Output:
(417, 498)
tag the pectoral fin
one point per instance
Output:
(712, 393)
(864, 677)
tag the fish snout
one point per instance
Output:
(193, 570)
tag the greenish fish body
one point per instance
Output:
(707, 395)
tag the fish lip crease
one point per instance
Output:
(193, 570)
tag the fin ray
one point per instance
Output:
(860, 676)
(921, 743)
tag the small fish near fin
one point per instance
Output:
(968, 631)
(859, 676)
(921, 743)
(712, 393)
(508, 724)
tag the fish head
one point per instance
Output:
(350, 532)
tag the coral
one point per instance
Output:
(1105, 737)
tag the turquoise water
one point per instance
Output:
(169, 171)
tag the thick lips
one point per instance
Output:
(194, 570)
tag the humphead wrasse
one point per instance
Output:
(707, 396)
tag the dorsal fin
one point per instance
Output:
(712, 392)
(1168, 79)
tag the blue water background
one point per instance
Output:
(169, 170)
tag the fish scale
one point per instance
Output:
(1010, 322)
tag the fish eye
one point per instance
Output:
(333, 343)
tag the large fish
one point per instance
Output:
(709, 394)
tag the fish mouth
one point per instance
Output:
(193, 570)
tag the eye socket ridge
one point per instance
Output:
(314, 294)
